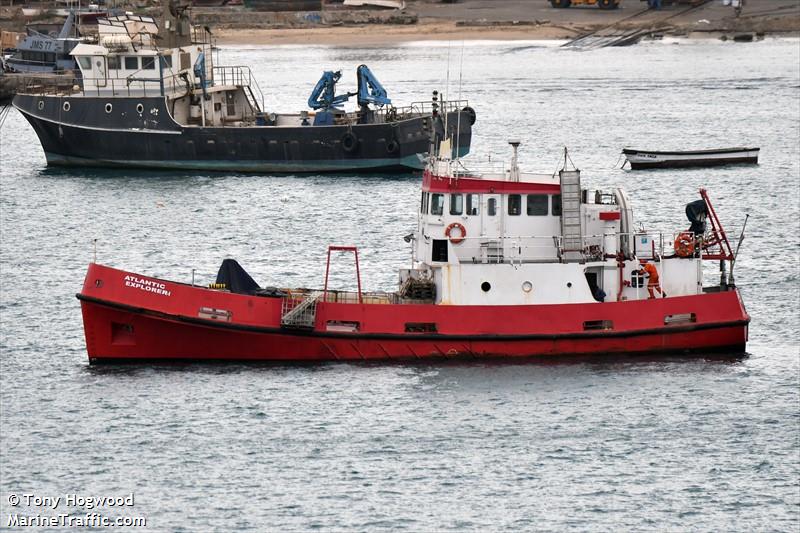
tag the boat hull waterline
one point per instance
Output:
(152, 319)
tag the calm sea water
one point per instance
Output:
(675, 444)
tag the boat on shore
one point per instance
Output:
(504, 265)
(643, 159)
(147, 98)
(40, 52)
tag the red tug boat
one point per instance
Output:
(505, 265)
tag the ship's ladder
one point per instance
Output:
(300, 315)
(571, 223)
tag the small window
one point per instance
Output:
(86, 62)
(537, 204)
(456, 204)
(437, 204)
(340, 326)
(597, 324)
(556, 203)
(680, 318)
(473, 200)
(167, 61)
(491, 207)
(113, 62)
(149, 63)
(514, 204)
(420, 327)
(131, 63)
(422, 202)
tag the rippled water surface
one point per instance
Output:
(676, 444)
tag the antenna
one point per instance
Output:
(458, 121)
(446, 93)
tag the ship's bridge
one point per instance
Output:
(474, 213)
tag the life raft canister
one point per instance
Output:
(459, 227)
(684, 244)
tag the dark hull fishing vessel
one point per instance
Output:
(151, 100)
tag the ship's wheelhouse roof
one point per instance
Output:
(528, 184)
(84, 49)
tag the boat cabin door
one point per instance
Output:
(99, 72)
(492, 225)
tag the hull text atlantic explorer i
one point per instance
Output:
(505, 265)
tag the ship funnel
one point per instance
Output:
(514, 172)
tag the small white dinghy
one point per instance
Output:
(642, 159)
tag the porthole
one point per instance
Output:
(527, 286)
(139, 108)
(66, 106)
(109, 107)
(40, 105)
(486, 286)
(569, 284)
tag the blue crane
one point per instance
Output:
(324, 94)
(370, 90)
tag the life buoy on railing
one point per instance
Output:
(459, 227)
(349, 142)
(684, 244)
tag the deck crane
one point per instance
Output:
(323, 98)
(324, 94)
(370, 90)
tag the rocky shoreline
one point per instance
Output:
(425, 20)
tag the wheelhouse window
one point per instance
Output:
(556, 203)
(514, 204)
(491, 207)
(167, 61)
(148, 63)
(113, 62)
(86, 62)
(456, 204)
(537, 205)
(437, 204)
(131, 63)
(473, 201)
(423, 203)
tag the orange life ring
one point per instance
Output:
(451, 227)
(684, 244)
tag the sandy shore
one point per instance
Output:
(381, 35)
